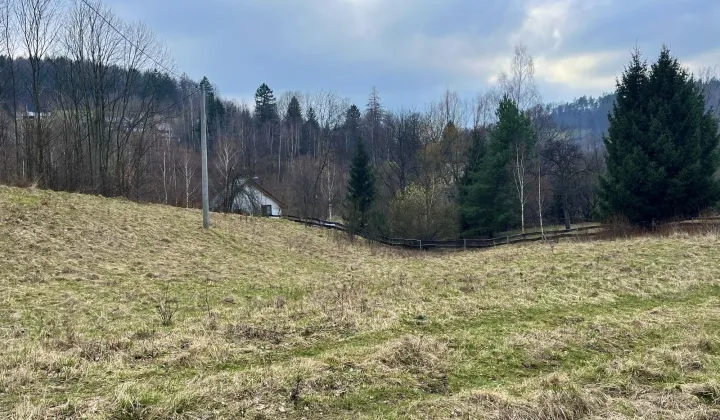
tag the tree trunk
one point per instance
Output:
(20, 169)
(542, 229)
(566, 210)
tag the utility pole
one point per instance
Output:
(203, 151)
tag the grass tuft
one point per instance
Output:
(113, 309)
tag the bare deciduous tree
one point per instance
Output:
(520, 84)
(226, 164)
(10, 47)
(38, 22)
(562, 160)
(484, 108)
(188, 169)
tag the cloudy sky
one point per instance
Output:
(412, 50)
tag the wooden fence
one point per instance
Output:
(457, 244)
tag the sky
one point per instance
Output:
(413, 50)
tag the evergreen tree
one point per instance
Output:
(162, 85)
(310, 132)
(686, 139)
(265, 106)
(294, 124)
(294, 113)
(473, 165)
(489, 195)
(661, 145)
(216, 115)
(351, 128)
(361, 189)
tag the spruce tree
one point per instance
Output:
(351, 127)
(686, 140)
(661, 145)
(294, 112)
(310, 131)
(489, 194)
(265, 106)
(216, 115)
(361, 189)
(294, 125)
(474, 162)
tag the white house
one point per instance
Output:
(249, 198)
(31, 114)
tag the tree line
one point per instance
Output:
(658, 161)
(85, 108)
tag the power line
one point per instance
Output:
(203, 115)
(197, 88)
(142, 50)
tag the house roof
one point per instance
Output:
(245, 181)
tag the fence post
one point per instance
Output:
(464, 244)
(508, 239)
(420, 244)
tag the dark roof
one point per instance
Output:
(244, 181)
(264, 191)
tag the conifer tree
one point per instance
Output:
(661, 145)
(489, 195)
(294, 113)
(216, 115)
(310, 131)
(474, 162)
(685, 140)
(265, 106)
(361, 189)
(294, 124)
(351, 128)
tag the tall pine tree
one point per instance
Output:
(294, 113)
(294, 123)
(473, 165)
(489, 196)
(310, 133)
(351, 128)
(265, 106)
(361, 189)
(661, 145)
(216, 115)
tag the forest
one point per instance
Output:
(92, 104)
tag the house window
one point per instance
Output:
(266, 210)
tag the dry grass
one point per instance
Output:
(117, 310)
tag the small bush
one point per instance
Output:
(166, 309)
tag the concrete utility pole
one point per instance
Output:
(203, 151)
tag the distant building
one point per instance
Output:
(31, 114)
(248, 197)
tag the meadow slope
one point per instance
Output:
(112, 309)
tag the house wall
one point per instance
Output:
(243, 202)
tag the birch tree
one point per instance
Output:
(520, 87)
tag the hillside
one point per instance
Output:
(271, 319)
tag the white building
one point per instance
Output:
(249, 198)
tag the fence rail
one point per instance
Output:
(457, 244)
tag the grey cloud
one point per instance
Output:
(410, 49)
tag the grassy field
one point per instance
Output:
(111, 309)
